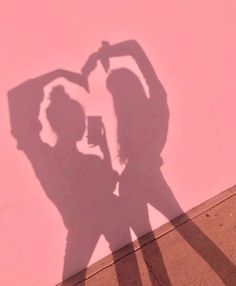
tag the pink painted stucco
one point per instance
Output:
(191, 45)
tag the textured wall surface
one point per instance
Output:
(190, 44)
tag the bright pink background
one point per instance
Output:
(191, 45)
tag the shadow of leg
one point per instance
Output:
(199, 241)
(79, 250)
(154, 261)
(209, 251)
(126, 264)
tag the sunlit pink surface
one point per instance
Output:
(192, 48)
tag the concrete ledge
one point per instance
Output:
(148, 238)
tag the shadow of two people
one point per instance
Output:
(81, 186)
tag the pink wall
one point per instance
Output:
(190, 44)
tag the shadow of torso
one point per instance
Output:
(81, 187)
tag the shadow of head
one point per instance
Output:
(126, 88)
(66, 116)
(130, 104)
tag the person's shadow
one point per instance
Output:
(141, 135)
(81, 186)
